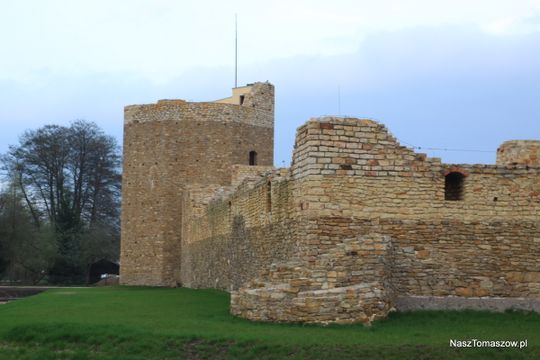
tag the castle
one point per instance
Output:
(356, 227)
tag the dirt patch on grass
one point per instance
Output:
(14, 292)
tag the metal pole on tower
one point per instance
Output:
(339, 100)
(235, 50)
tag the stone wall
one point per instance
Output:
(240, 173)
(357, 225)
(228, 240)
(375, 225)
(523, 152)
(168, 146)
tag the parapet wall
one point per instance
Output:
(228, 240)
(257, 109)
(351, 167)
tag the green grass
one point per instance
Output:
(143, 323)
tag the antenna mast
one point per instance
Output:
(235, 50)
(339, 100)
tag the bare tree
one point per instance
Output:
(69, 178)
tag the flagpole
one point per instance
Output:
(235, 50)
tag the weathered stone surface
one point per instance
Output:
(168, 146)
(315, 293)
(411, 303)
(523, 152)
(356, 225)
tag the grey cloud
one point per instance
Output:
(435, 87)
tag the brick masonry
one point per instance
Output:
(357, 225)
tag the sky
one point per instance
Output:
(454, 75)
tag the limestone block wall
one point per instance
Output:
(378, 178)
(168, 146)
(354, 182)
(357, 222)
(241, 172)
(348, 282)
(452, 258)
(523, 152)
(228, 240)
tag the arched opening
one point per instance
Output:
(453, 186)
(252, 158)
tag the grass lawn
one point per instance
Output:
(154, 323)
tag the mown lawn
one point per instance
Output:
(153, 323)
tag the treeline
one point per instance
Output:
(59, 204)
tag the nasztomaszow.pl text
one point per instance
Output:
(475, 343)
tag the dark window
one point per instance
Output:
(269, 197)
(252, 158)
(242, 99)
(453, 186)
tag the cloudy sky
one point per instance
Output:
(461, 75)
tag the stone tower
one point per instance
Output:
(170, 145)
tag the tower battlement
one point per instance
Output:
(251, 105)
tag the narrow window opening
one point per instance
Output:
(252, 158)
(269, 197)
(242, 97)
(453, 186)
